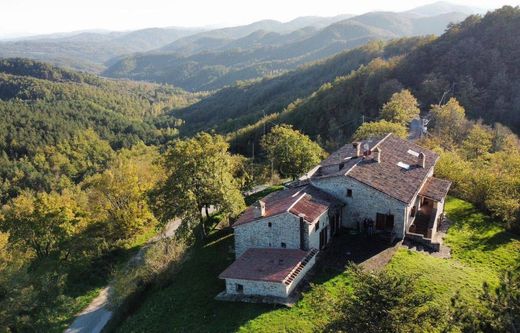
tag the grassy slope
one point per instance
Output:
(83, 292)
(481, 249)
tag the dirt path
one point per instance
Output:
(96, 315)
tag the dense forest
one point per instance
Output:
(474, 61)
(77, 154)
(235, 107)
(45, 108)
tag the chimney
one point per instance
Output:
(357, 146)
(259, 209)
(421, 160)
(304, 233)
(377, 156)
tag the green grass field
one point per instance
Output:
(481, 249)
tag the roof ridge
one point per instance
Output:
(361, 159)
(296, 201)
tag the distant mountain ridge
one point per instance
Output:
(213, 59)
(95, 50)
(90, 50)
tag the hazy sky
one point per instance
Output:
(45, 16)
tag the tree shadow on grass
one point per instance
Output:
(345, 249)
(186, 303)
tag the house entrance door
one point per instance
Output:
(324, 237)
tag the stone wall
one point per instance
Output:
(314, 235)
(301, 275)
(365, 202)
(285, 228)
(263, 288)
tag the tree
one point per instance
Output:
(44, 222)
(200, 173)
(378, 129)
(291, 152)
(499, 309)
(478, 141)
(401, 108)
(118, 197)
(449, 120)
(384, 302)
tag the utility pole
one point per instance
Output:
(263, 111)
(362, 119)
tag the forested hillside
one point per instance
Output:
(211, 61)
(74, 178)
(44, 106)
(234, 107)
(475, 61)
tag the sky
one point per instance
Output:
(47, 16)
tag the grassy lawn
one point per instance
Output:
(481, 249)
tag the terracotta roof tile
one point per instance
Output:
(435, 188)
(272, 265)
(306, 200)
(387, 176)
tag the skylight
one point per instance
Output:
(404, 165)
(413, 152)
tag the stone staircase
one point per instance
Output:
(297, 270)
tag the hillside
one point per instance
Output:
(474, 61)
(43, 106)
(90, 50)
(213, 60)
(234, 107)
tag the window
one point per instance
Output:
(384, 221)
(284, 245)
(239, 288)
(269, 224)
(317, 226)
(413, 211)
(349, 193)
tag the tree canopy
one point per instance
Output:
(200, 173)
(291, 152)
(401, 108)
(378, 129)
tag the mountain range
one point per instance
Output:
(214, 59)
(207, 59)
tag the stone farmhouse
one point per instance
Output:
(379, 186)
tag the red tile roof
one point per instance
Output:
(306, 200)
(387, 176)
(435, 189)
(272, 265)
